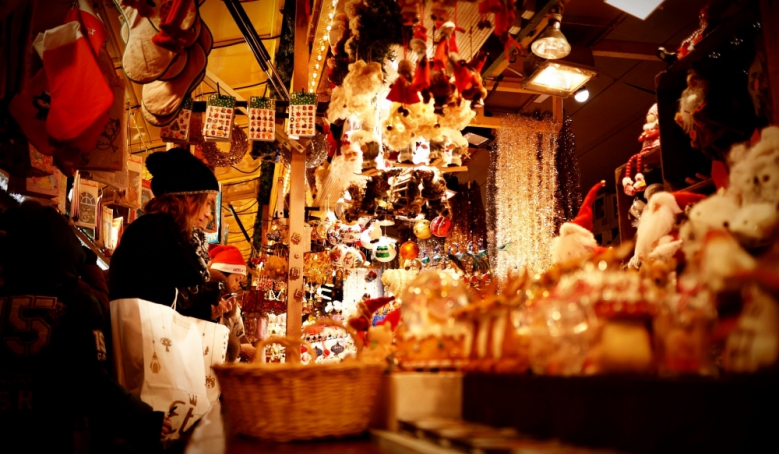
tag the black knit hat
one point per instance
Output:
(178, 172)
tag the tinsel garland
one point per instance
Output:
(525, 194)
(468, 218)
(568, 197)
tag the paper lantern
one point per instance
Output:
(409, 250)
(422, 229)
(441, 226)
(384, 250)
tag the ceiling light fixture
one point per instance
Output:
(551, 43)
(559, 77)
(582, 94)
(641, 9)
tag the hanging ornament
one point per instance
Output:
(178, 130)
(337, 254)
(239, 145)
(370, 235)
(384, 250)
(262, 119)
(350, 234)
(219, 118)
(441, 226)
(422, 229)
(409, 250)
(353, 258)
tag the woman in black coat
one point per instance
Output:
(162, 257)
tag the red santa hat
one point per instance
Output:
(227, 259)
(584, 218)
(684, 198)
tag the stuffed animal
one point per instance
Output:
(467, 77)
(442, 91)
(755, 224)
(713, 213)
(403, 91)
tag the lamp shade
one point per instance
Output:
(551, 44)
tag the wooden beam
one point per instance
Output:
(557, 112)
(509, 85)
(630, 50)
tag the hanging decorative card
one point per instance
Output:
(302, 114)
(134, 181)
(106, 226)
(108, 154)
(117, 228)
(87, 204)
(62, 193)
(116, 179)
(146, 195)
(46, 186)
(262, 119)
(178, 130)
(40, 163)
(220, 113)
(196, 127)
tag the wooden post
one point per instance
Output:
(557, 112)
(297, 192)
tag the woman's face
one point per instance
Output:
(204, 213)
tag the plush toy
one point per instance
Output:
(755, 224)
(354, 99)
(576, 243)
(713, 213)
(436, 150)
(693, 100)
(409, 10)
(442, 91)
(757, 179)
(418, 42)
(368, 144)
(657, 223)
(403, 91)
(467, 77)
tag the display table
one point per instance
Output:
(209, 437)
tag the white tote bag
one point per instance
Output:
(165, 359)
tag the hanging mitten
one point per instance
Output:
(146, 8)
(179, 27)
(143, 61)
(79, 93)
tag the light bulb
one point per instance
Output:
(319, 57)
(582, 94)
(329, 28)
(314, 74)
(322, 48)
(551, 44)
(316, 66)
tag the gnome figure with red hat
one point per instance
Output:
(576, 243)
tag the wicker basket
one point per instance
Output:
(285, 402)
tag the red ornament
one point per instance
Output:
(441, 226)
(409, 250)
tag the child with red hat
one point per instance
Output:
(227, 265)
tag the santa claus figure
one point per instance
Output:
(576, 243)
(657, 238)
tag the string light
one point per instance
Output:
(524, 197)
